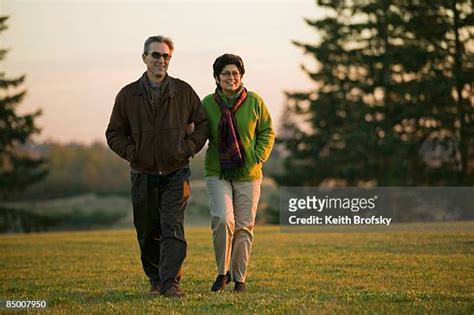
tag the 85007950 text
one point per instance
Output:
(21, 304)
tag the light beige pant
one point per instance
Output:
(233, 206)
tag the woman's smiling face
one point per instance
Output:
(230, 79)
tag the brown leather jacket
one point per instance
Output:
(155, 141)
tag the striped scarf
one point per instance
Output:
(231, 151)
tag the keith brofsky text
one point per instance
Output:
(317, 210)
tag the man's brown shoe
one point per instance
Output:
(155, 288)
(174, 292)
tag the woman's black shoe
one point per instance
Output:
(221, 282)
(239, 287)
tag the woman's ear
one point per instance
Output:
(217, 80)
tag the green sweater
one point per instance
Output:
(255, 130)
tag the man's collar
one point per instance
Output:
(169, 91)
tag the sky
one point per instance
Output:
(77, 55)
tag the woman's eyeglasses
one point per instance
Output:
(228, 74)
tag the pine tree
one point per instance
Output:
(18, 169)
(387, 76)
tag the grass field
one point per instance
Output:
(424, 270)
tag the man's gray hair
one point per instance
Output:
(159, 39)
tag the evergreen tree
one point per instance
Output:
(18, 169)
(392, 78)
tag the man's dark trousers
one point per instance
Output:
(159, 202)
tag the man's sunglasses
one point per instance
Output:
(157, 56)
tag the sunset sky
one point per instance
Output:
(78, 54)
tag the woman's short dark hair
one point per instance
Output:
(227, 59)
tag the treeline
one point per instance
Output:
(76, 169)
(392, 99)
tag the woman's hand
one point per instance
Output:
(190, 129)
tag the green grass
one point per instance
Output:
(429, 271)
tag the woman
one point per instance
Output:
(241, 137)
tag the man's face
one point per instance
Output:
(157, 59)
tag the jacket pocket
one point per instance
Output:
(174, 151)
(143, 157)
(253, 157)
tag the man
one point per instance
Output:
(148, 128)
